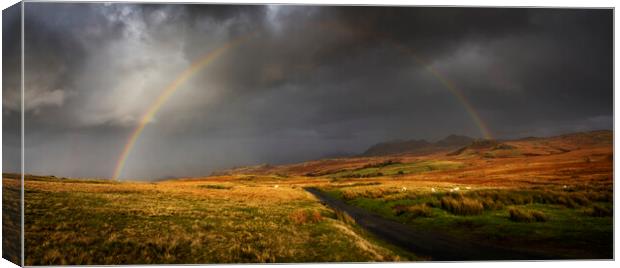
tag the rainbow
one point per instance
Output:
(165, 95)
(448, 84)
(209, 57)
(459, 95)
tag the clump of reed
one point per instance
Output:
(414, 211)
(598, 211)
(525, 215)
(462, 205)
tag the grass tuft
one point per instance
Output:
(344, 217)
(304, 216)
(420, 210)
(523, 215)
(461, 206)
(599, 211)
(539, 216)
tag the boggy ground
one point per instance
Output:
(549, 196)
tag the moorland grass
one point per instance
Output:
(179, 222)
(11, 222)
(303, 216)
(574, 221)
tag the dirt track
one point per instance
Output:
(438, 247)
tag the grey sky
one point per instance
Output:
(309, 81)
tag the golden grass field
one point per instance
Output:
(547, 195)
(215, 221)
(11, 215)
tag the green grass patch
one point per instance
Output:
(575, 223)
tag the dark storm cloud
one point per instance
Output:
(11, 90)
(308, 81)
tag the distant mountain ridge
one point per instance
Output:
(417, 146)
(455, 146)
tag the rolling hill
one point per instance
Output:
(595, 144)
(417, 146)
